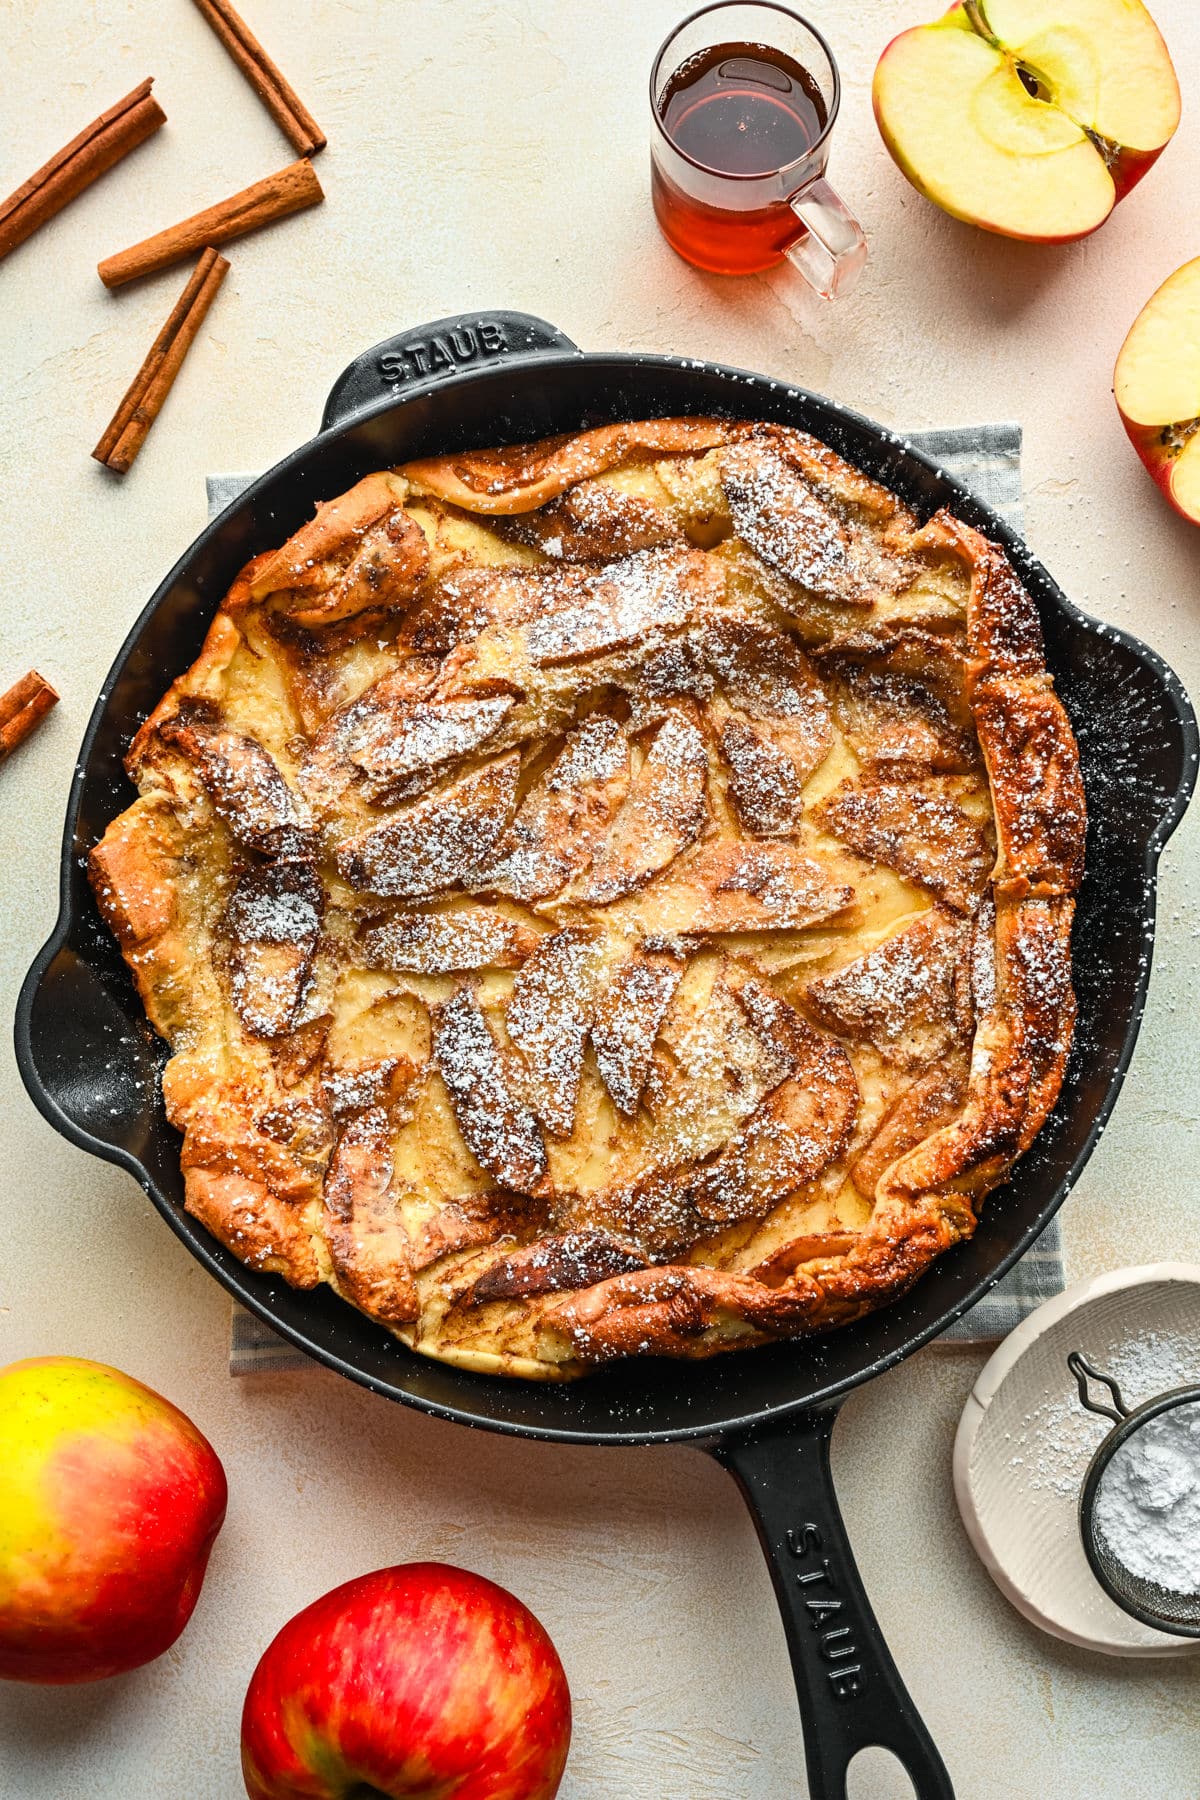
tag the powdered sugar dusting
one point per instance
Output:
(500, 1132)
(437, 843)
(1059, 1436)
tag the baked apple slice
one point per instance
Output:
(1157, 388)
(243, 781)
(796, 1131)
(626, 1023)
(1031, 118)
(498, 1129)
(389, 738)
(918, 830)
(564, 816)
(728, 886)
(786, 522)
(448, 941)
(436, 843)
(903, 995)
(270, 927)
(547, 1018)
(595, 521)
(576, 1259)
(773, 722)
(663, 812)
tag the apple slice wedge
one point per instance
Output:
(1031, 118)
(1157, 388)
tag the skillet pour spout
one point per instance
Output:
(91, 1063)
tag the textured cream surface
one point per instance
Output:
(445, 193)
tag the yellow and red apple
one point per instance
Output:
(110, 1500)
(1031, 118)
(421, 1681)
(1157, 387)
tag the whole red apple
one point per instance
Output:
(416, 1681)
(110, 1500)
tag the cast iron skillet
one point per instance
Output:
(91, 1062)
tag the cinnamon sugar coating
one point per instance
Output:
(606, 897)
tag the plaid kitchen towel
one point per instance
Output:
(987, 459)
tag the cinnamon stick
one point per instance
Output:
(24, 705)
(277, 95)
(287, 191)
(104, 142)
(150, 386)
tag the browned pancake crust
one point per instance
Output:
(607, 896)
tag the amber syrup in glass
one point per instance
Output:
(735, 110)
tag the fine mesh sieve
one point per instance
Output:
(1159, 1607)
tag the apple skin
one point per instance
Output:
(418, 1680)
(1159, 459)
(110, 1500)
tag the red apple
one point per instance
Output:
(421, 1681)
(1031, 118)
(110, 1500)
(1157, 387)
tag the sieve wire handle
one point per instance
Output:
(1084, 1372)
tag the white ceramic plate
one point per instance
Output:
(1024, 1443)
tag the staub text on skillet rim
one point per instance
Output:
(90, 1062)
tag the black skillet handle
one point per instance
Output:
(429, 352)
(851, 1695)
(87, 1061)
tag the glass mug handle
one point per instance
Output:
(831, 253)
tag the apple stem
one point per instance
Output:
(974, 12)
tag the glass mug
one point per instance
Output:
(744, 98)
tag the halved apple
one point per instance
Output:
(1031, 118)
(1157, 387)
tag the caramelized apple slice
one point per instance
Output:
(470, 1223)
(465, 602)
(903, 996)
(388, 738)
(547, 1019)
(763, 783)
(663, 812)
(564, 815)
(775, 727)
(627, 1019)
(368, 1244)
(353, 1087)
(653, 590)
(930, 1102)
(898, 725)
(272, 923)
(498, 1129)
(361, 552)
(447, 942)
(576, 1259)
(243, 781)
(784, 521)
(796, 1132)
(594, 522)
(731, 886)
(923, 835)
(435, 843)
